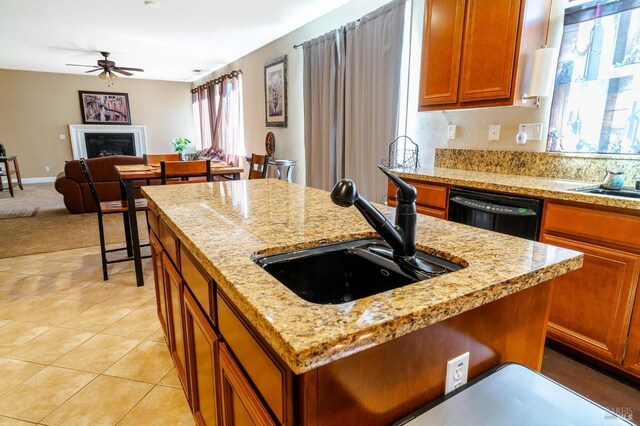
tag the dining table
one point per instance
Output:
(134, 173)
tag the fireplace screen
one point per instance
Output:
(106, 144)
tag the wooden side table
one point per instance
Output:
(6, 171)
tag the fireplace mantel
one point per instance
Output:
(77, 132)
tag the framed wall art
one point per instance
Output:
(275, 92)
(104, 108)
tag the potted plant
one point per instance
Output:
(180, 145)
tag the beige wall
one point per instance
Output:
(430, 128)
(35, 108)
(289, 140)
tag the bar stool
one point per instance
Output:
(258, 166)
(106, 208)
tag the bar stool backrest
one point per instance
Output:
(157, 158)
(185, 169)
(91, 184)
(258, 166)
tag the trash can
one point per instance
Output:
(512, 394)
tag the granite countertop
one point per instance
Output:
(541, 187)
(223, 224)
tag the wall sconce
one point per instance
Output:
(543, 75)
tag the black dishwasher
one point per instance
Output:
(517, 216)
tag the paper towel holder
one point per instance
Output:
(542, 75)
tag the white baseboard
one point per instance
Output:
(36, 180)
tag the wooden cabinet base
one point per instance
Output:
(382, 384)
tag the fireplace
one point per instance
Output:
(95, 140)
(107, 144)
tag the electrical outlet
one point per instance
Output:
(457, 372)
(533, 131)
(451, 132)
(494, 132)
(47, 168)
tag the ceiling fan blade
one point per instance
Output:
(78, 65)
(131, 69)
(118, 70)
(93, 70)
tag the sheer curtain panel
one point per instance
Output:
(220, 116)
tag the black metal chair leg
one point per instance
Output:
(127, 233)
(103, 249)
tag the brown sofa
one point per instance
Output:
(73, 186)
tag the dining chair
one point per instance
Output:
(185, 171)
(258, 166)
(155, 159)
(104, 208)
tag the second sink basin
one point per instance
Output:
(339, 273)
(628, 193)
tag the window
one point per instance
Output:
(596, 101)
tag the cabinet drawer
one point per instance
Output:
(169, 242)
(267, 376)
(440, 214)
(198, 282)
(431, 195)
(152, 218)
(589, 223)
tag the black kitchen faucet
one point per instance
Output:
(402, 236)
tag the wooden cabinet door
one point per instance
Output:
(489, 49)
(202, 343)
(240, 404)
(173, 281)
(158, 277)
(632, 354)
(441, 49)
(591, 307)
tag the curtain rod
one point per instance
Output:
(217, 80)
(295, 46)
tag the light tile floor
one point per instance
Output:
(76, 350)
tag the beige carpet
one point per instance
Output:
(53, 228)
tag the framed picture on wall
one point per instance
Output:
(104, 108)
(275, 92)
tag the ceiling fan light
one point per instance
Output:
(103, 75)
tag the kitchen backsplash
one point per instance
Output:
(590, 168)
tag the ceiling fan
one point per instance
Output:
(108, 68)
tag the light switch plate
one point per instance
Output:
(533, 131)
(494, 132)
(62, 136)
(451, 132)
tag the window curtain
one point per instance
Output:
(351, 96)
(220, 117)
(204, 118)
(195, 105)
(323, 82)
(372, 92)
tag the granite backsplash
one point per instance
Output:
(589, 168)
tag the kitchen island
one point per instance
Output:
(247, 349)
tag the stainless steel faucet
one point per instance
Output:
(402, 236)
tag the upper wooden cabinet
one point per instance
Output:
(479, 52)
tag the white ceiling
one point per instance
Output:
(168, 42)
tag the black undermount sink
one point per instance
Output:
(348, 271)
(628, 193)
